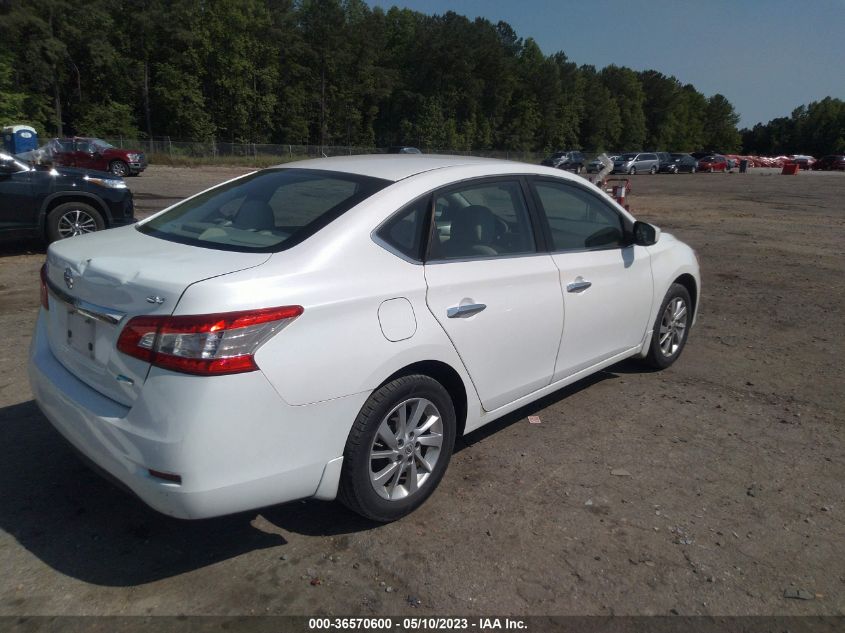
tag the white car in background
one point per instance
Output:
(327, 328)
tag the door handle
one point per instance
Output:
(460, 312)
(578, 285)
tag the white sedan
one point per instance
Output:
(326, 328)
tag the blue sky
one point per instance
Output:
(766, 56)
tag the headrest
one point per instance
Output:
(256, 215)
(474, 224)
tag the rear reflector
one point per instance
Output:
(45, 297)
(176, 479)
(204, 344)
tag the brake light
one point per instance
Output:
(45, 297)
(204, 344)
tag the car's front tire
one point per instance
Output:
(671, 328)
(73, 218)
(632, 171)
(398, 448)
(119, 168)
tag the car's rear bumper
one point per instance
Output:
(232, 439)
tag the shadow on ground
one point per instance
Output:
(22, 246)
(85, 527)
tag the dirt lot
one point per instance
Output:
(735, 456)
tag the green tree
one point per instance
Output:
(660, 108)
(625, 87)
(602, 123)
(12, 102)
(720, 121)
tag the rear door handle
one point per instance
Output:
(578, 285)
(460, 312)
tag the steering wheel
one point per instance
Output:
(502, 230)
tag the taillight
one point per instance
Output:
(204, 344)
(45, 298)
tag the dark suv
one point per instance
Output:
(60, 202)
(573, 161)
(95, 153)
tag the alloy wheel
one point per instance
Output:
(673, 326)
(76, 222)
(119, 168)
(406, 448)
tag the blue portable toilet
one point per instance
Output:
(19, 138)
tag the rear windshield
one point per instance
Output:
(267, 211)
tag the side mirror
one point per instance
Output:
(645, 234)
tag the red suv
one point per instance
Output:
(95, 153)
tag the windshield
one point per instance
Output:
(267, 211)
(628, 157)
(100, 144)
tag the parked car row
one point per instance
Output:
(644, 162)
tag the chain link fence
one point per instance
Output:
(164, 149)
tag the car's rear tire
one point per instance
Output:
(652, 171)
(73, 218)
(671, 328)
(119, 168)
(692, 170)
(398, 449)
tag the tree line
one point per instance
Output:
(330, 72)
(816, 129)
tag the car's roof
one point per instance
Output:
(397, 166)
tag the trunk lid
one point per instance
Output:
(99, 281)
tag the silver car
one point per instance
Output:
(636, 162)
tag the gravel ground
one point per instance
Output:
(734, 493)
